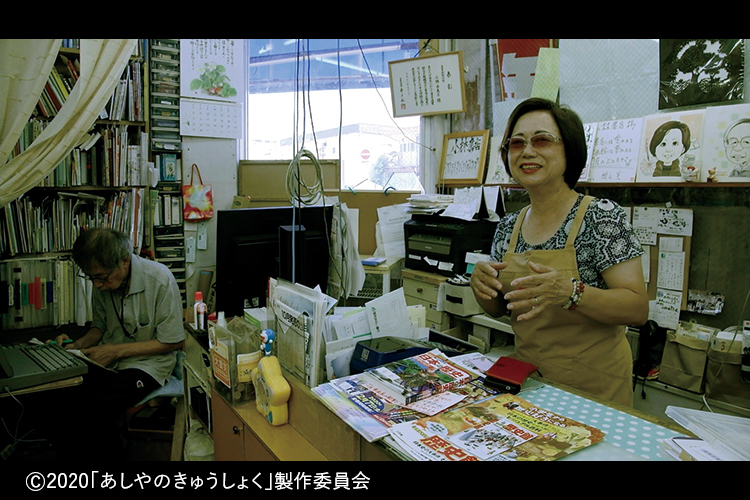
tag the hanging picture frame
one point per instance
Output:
(427, 85)
(464, 157)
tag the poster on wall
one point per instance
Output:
(726, 144)
(212, 68)
(517, 59)
(700, 71)
(671, 147)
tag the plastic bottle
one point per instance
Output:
(220, 319)
(199, 312)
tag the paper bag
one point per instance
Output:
(723, 372)
(197, 199)
(683, 363)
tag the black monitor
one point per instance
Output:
(255, 244)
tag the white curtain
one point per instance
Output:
(24, 68)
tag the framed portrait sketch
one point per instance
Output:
(464, 157)
(726, 144)
(671, 147)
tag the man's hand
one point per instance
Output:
(104, 354)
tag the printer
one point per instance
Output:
(438, 244)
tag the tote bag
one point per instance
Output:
(197, 199)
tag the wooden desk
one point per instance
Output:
(59, 384)
(313, 433)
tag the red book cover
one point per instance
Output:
(510, 370)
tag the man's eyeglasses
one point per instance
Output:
(538, 141)
(94, 279)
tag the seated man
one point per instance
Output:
(136, 330)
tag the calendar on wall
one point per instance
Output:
(203, 118)
(211, 74)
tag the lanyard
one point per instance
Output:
(121, 315)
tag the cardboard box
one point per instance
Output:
(460, 300)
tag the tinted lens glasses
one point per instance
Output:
(538, 142)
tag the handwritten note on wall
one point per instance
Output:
(464, 158)
(670, 229)
(615, 154)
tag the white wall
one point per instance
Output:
(217, 160)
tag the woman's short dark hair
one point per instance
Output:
(106, 247)
(571, 132)
(662, 130)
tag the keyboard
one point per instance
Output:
(50, 359)
(25, 365)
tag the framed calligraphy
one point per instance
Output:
(464, 157)
(427, 85)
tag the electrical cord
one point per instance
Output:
(14, 434)
(297, 188)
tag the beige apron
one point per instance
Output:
(567, 346)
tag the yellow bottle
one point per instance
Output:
(272, 391)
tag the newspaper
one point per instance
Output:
(300, 316)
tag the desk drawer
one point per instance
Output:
(436, 320)
(421, 290)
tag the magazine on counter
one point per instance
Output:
(371, 412)
(505, 427)
(418, 377)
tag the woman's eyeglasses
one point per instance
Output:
(538, 141)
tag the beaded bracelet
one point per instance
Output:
(575, 296)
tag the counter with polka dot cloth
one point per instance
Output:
(628, 437)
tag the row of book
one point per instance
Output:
(40, 292)
(128, 96)
(47, 223)
(166, 208)
(56, 91)
(127, 102)
(112, 157)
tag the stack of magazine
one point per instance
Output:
(504, 427)
(464, 422)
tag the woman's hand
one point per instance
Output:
(532, 294)
(487, 288)
(484, 280)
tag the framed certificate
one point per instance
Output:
(428, 85)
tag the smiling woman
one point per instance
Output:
(560, 263)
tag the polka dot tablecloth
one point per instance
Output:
(627, 437)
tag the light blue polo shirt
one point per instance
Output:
(153, 305)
